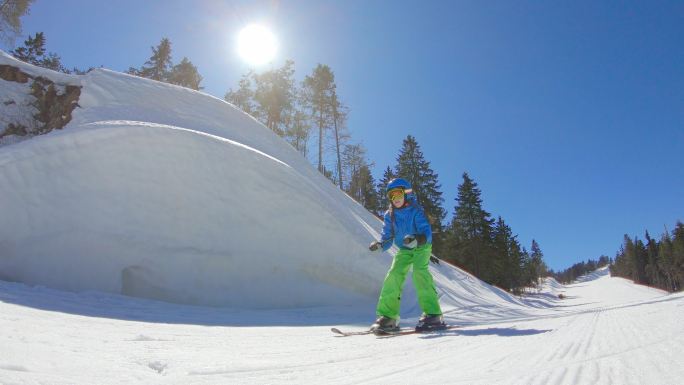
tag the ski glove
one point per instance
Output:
(410, 241)
(374, 245)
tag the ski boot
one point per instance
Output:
(384, 325)
(428, 322)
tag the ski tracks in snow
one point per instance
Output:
(605, 346)
(637, 343)
(620, 340)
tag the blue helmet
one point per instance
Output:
(398, 183)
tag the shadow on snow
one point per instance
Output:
(502, 332)
(115, 306)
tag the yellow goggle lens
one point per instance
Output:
(395, 194)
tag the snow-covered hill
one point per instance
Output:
(158, 191)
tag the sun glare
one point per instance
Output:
(256, 44)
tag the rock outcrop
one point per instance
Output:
(52, 104)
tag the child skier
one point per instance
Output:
(406, 226)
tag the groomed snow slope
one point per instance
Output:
(607, 331)
(162, 192)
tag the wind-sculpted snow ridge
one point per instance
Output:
(162, 192)
(173, 214)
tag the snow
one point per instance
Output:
(608, 331)
(163, 236)
(158, 191)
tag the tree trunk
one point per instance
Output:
(337, 140)
(320, 141)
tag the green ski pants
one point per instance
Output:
(390, 296)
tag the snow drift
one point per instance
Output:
(158, 191)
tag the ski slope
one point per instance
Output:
(163, 236)
(607, 331)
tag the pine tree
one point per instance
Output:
(328, 174)
(678, 255)
(275, 96)
(412, 166)
(667, 262)
(516, 266)
(297, 130)
(619, 267)
(383, 201)
(652, 271)
(243, 97)
(529, 271)
(185, 74)
(33, 52)
(634, 254)
(369, 194)
(501, 235)
(641, 260)
(158, 67)
(353, 158)
(318, 90)
(506, 261)
(537, 262)
(362, 188)
(357, 171)
(33, 49)
(11, 12)
(470, 231)
(339, 119)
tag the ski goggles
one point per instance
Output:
(395, 194)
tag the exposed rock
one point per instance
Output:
(13, 74)
(15, 129)
(54, 108)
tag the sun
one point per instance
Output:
(256, 44)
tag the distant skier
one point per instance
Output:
(409, 229)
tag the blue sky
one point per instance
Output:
(569, 115)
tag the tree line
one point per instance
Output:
(34, 52)
(653, 262)
(158, 67)
(579, 269)
(305, 112)
(312, 111)
(472, 239)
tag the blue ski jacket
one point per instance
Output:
(409, 219)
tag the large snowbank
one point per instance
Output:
(158, 191)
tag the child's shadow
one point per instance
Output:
(503, 332)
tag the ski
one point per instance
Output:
(347, 334)
(404, 332)
(400, 332)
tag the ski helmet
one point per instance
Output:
(398, 183)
